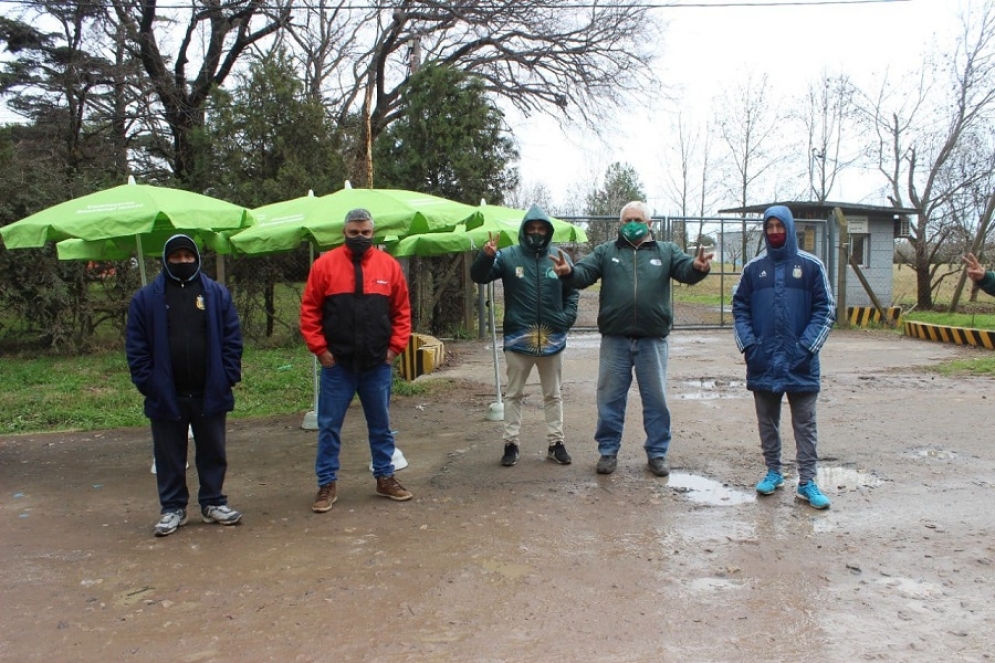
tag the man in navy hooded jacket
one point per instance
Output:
(783, 311)
(184, 349)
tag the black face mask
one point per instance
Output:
(359, 245)
(535, 241)
(183, 271)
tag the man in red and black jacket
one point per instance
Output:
(356, 319)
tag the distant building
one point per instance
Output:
(872, 231)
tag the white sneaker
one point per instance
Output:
(169, 521)
(221, 514)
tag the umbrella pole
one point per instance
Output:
(141, 260)
(311, 418)
(496, 410)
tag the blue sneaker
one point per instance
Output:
(770, 483)
(811, 494)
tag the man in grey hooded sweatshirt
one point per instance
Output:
(539, 310)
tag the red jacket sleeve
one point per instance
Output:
(400, 311)
(311, 306)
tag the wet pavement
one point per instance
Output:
(537, 561)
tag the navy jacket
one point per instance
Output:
(783, 311)
(147, 349)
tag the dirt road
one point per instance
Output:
(538, 561)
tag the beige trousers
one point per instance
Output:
(550, 375)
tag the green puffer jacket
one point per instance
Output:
(539, 307)
(635, 285)
(987, 284)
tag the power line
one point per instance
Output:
(584, 5)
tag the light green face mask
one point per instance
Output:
(634, 232)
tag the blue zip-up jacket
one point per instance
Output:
(783, 311)
(539, 307)
(147, 349)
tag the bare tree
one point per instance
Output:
(827, 118)
(216, 34)
(921, 133)
(689, 185)
(748, 127)
(527, 194)
(547, 56)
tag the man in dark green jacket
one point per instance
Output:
(634, 318)
(977, 272)
(539, 309)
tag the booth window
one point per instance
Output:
(860, 249)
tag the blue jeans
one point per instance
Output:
(617, 358)
(338, 386)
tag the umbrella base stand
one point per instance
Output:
(398, 459)
(310, 421)
(495, 412)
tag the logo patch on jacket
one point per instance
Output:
(200, 303)
(519, 272)
(656, 262)
(797, 272)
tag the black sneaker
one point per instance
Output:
(607, 464)
(510, 456)
(558, 452)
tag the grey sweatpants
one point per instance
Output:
(768, 406)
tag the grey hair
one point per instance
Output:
(639, 206)
(358, 215)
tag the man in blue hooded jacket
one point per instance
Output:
(783, 311)
(184, 348)
(539, 310)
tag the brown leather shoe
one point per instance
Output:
(388, 487)
(325, 498)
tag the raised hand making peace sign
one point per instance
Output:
(703, 261)
(491, 247)
(560, 264)
(975, 270)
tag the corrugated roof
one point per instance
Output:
(798, 207)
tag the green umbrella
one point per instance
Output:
(563, 231)
(319, 220)
(136, 218)
(456, 241)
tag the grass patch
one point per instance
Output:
(94, 392)
(983, 366)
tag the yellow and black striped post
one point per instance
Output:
(423, 355)
(982, 338)
(861, 316)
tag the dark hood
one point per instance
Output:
(535, 213)
(179, 242)
(790, 247)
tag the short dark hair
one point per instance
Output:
(358, 215)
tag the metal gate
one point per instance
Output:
(734, 240)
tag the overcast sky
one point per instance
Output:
(705, 49)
